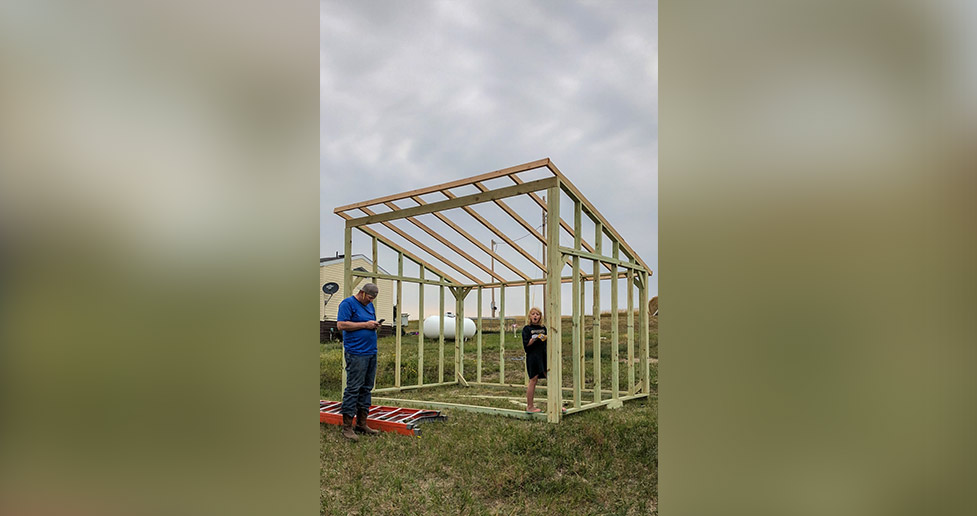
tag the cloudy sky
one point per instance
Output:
(418, 93)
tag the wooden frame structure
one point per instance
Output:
(623, 262)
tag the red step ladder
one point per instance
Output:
(388, 419)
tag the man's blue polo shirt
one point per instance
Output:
(358, 342)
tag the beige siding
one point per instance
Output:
(333, 272)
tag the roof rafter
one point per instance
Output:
(449, 245)
(474, 240)
(420, 244)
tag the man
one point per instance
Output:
(357, 319)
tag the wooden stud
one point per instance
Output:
(577, 310)
(615, 322)
(441, 338)
(420, 331)
(583, 337)
(397, 312)
(478, 361)
(599, 232)
(630, 331)
(459, 333)
(502, 333)
(643, 310)
(526, 369)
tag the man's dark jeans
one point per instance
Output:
(361, 372)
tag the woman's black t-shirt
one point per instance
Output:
(535, 354)
(527, 332)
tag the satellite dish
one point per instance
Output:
(330, 288)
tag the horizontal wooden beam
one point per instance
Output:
(445, 186)
(567, 279)
(409, 387)
(610, 401)
(520, 414)
(601, 258)
(398, 278)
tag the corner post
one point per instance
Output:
(347, 285)
(554, 319)
(645, 366)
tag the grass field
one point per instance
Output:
(596, 462)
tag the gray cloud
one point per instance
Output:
(417, 93)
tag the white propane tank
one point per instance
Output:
(432, 323)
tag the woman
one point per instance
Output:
(534, 342)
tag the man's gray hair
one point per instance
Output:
(371, 289)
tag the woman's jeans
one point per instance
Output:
(361, 372)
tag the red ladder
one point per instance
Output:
(388, 419)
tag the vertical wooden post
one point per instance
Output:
(478, 362)
(420, 331)
(583, 334)
(554, 320)
(347, 285)
(598, 236)
(502, 334)
(577, 309)
(441, 335)
(615, 322)
(631, 330)
(645, 366)
(459, 332)
(400, 300)
(374, 267)
(527, 322)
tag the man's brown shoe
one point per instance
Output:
(361, 416)
(348, 428)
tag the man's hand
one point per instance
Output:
(372, 325)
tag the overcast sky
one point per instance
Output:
(418, 93)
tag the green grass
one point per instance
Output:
(596, 462)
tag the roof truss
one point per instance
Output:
(365, 217)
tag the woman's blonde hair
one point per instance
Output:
(531, 310)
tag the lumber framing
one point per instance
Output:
(575, 394)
